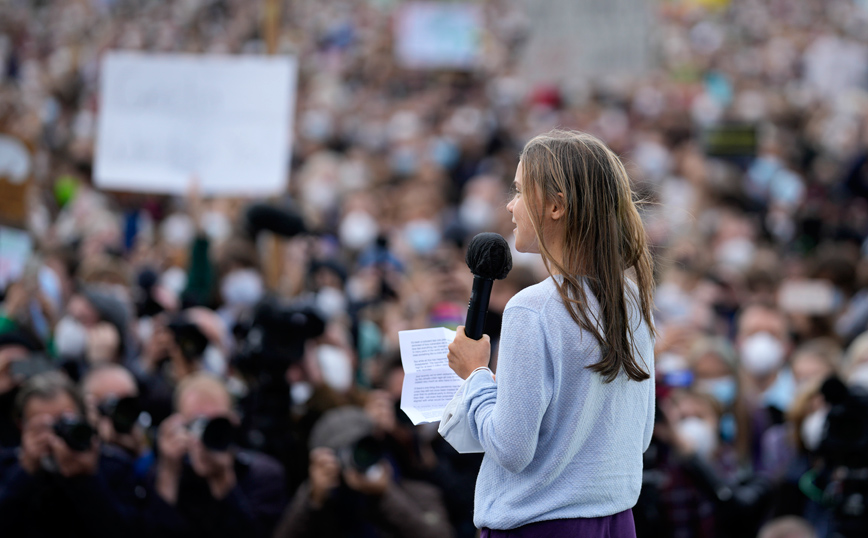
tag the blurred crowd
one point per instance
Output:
(200, 366)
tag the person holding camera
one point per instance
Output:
(62, 482)
(181, 345)
(113, 397)
(204, 485)
(353, 488)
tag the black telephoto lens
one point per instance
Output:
(75, 432)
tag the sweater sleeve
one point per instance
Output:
(506, 415)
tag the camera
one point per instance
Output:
(276, 336)
(123, 412)
(75, 432)
(844, 452)
(362, 455)
(190, 339)
(216, 434)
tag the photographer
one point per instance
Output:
(61, 482)
(354, 490)
(204, 485)
(110, 390)
(180, 346)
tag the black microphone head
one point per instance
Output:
(284, 221)
(488, 256)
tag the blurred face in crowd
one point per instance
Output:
(38, 418)
(207, 398)
(809, 368)
(713, 376)
(111, 383)
(695, 422)
(80, 309)
(204, 400)
(762, 341)
(54, 408)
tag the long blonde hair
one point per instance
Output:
(604, 239)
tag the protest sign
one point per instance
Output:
(15, 249)
(574, 41)
(16, 168)
(225, 120)
(434, 35)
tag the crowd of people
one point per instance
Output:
(200, 366)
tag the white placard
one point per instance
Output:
(226, 120)
(431, 35)
(15, 249)
(574, 41)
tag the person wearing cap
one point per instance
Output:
(206, 486)
(353, 488)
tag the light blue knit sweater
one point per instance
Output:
(559, 443)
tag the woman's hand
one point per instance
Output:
(466, 354)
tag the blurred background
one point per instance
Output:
(218, 214)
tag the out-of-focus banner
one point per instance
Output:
(571, 41)
(225, 120)
(15, 249)
(16, 170)
(436, 35)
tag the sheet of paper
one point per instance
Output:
(429, 383)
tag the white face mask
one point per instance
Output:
(762, 354)
(336, 367)
(357, 230)
(813, 428)
(70, 338)
(216, 225)
(242, 287)
(476, 213)
(300, 392)
(214, 360)
(331, 301)
(178, 230)
(700, 435)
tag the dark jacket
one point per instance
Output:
(251, 509)
(50, 505)
(409, 509)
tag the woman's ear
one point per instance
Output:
(557, 207)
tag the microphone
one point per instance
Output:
(283, 221)
(489, 259)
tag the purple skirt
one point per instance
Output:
(617, 526)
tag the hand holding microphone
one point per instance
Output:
(489, 259)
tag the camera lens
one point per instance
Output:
(366, 453)
(217, 434)
(76, 433)
(125, 415)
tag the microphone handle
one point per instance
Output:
(478, 307)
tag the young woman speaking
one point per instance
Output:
(565, 423)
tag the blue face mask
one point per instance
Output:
(722, 389)
(780, 394)
(422, 236)
(728, 428)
